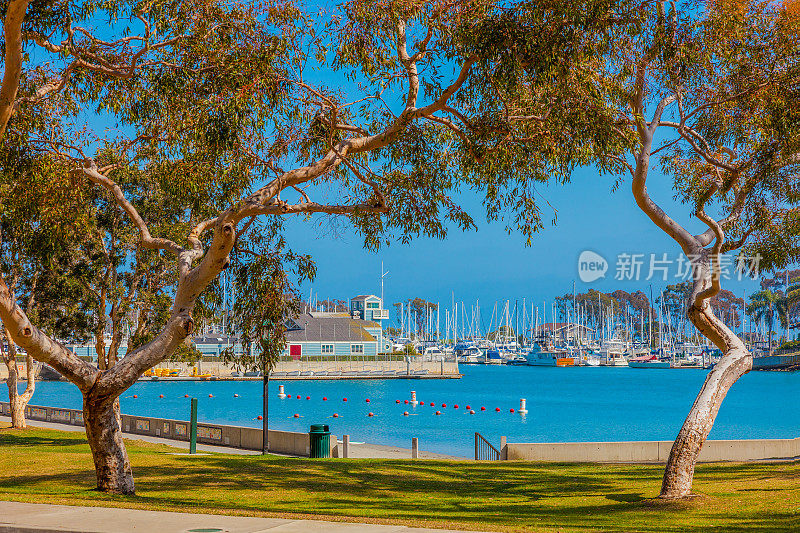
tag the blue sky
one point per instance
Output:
(490, 265)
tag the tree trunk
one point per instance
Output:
(265, 424)
(735, 362)
(18, 420)
(102, 421)
(17, 401)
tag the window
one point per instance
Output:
(356, 349)
(327, 349)
(373, 305)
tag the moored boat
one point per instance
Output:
(647, 361)
(549, 357)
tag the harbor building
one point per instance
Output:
(566, 332)
(327, 335)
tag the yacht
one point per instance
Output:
(549, 356)
(650, 360)
(493, 357)
(613, 353)
(469, 354)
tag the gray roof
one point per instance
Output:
(363, 297)
(336, 328)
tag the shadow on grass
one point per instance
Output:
(494, 495)
(31, 438)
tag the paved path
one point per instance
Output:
(358, 450)
(40, 518)
(183, 445)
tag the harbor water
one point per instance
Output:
(564, 405)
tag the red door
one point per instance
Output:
(295, 350)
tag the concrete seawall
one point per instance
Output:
(298, 444)
(282, 442)
(650, 451)
(414, 368)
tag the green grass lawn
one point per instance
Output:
(46, 466)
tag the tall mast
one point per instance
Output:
(383, 275)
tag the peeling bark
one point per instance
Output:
(735, 362)
(101, 417)
(12, 66)
(19, 401)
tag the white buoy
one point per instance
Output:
(522, 407)
(414, 396)
(281, 394)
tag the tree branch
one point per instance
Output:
(145, 239)
(12, 68)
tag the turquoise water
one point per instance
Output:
(564, 404)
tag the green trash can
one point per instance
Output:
(320, 436)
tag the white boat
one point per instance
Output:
(469, 355)
(493, 357)
(549, 357)
(613, 353)
(649, 364)
(647, 361)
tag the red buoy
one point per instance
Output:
(472, 412)
(444, 405)
(210, 395)
(367, 400)
(260, 417)
(433, 404)
(308, 397)
(467, 408)
(335, 415)
(344, 399)
(483, 408)
(405, 413)
(298, 396)
(511, 410)
(497, 409)
(135, 396)
(160, 395)
(455, 406)
(185, 396)
(370, 414)
(296, 415)
(324, 398)
(397, 401)
(438, 412)
(235, 395)
(404, 400)
(422, 403)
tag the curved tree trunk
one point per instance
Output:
(735, 362)
(17, 401)
(101, 419)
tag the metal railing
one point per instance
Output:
(484, 451)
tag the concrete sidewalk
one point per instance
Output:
(358, 450)
(41, 518)
(133, 436)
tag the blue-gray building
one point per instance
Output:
(357, 333)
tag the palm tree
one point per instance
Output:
(766, 305)
(793, 302)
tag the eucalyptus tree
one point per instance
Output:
(18, 402)
(231, 111)
(721, 83)
(33, 198)
(712, 90)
